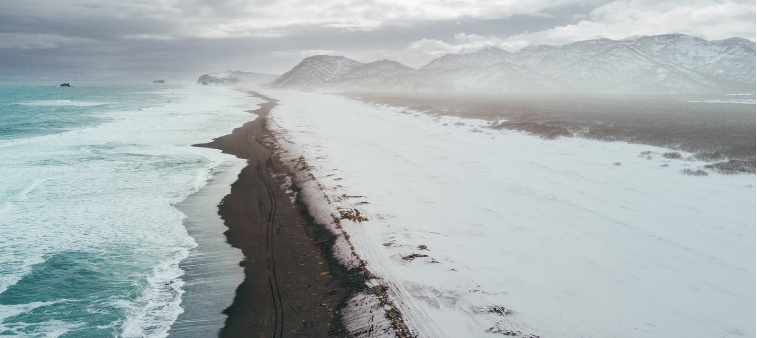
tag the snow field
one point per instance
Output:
(479, 233)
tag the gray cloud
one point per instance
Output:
(181, 39)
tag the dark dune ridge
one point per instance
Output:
(723, 133)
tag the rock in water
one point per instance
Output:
(65, 85)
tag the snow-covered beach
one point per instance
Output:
(479, 232)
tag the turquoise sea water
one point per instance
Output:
(90, 240)
(32, 109)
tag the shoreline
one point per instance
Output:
(211, 271)
(292, 285)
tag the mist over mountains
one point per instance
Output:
(661, 64)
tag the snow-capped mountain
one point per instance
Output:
(671, 63)
(546, 58)
(236, 76)
(485, 57)
(727, 60)
(383, 68)
(662, 64)
(341, 73)
(316, 72)
(372, 76)
(628, 69)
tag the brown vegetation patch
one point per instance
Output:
(733, 167)
(500, 310)
(692, 172)
(709, 156)
(541, 129)
(674, 155)
(352, 215)
(411, 257)
(510, 333)
(303, 163)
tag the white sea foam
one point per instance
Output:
(57, 327)
(159, 304)
(109, 190)
(62, 103)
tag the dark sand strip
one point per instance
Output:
(292, 288)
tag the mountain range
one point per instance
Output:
(235, 76)
(661, 64)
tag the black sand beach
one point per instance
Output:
(291, 287)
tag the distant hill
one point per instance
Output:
(316, 72)
(485, 57)
(235, 76)
(661, 64)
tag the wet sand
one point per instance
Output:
(291, 287)
(211, 272)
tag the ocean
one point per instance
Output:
(90, 237)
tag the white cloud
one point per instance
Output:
(366, 15)
(273, 19)
(461, 43)
(35, 41)
(422, 51)
(432, 47)
(709, 19)
(286, 25)
(228, 18)
(303, 53)
(473, 42)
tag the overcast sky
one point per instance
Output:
(172, 38)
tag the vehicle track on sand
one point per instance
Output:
(273, 283)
